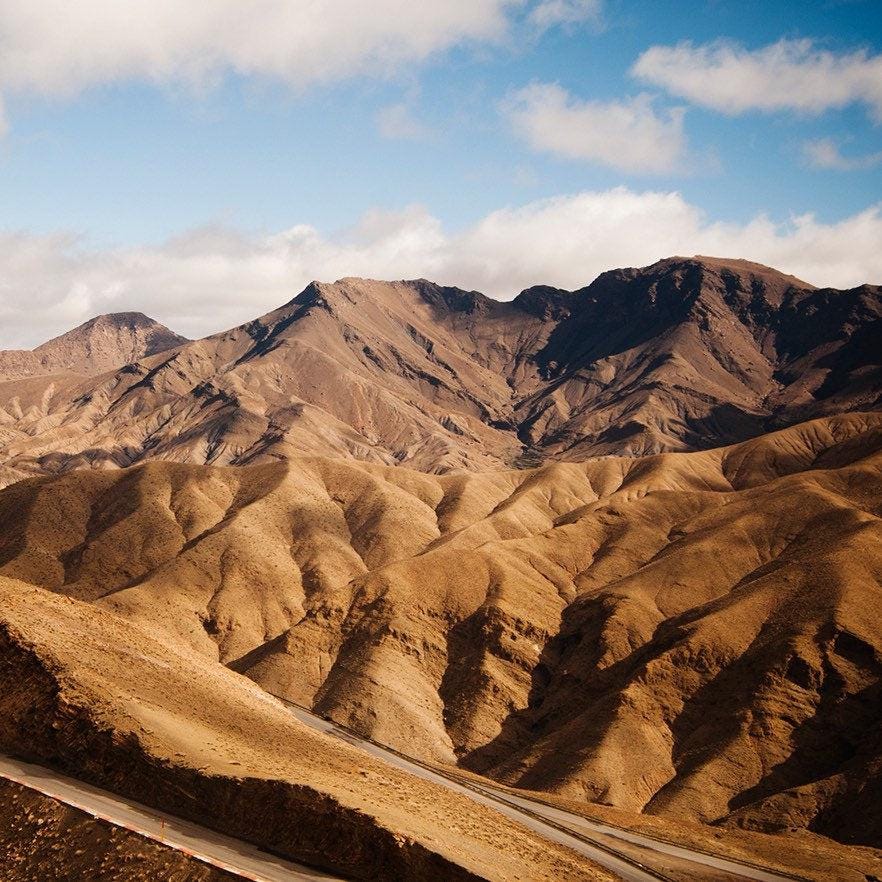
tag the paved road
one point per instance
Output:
(552, 823)
(626, 869)
(213, 848)
(577, 822)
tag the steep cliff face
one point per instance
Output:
(686, 354)
(691, 635)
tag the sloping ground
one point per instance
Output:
(100, 345)
(98, 698)
(689, 353)
(693, 353)
(694, 635)
(794, 851)
(41, 838)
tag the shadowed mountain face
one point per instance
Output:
(693, 635)
(686, 354)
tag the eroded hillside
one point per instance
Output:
(686, 634)
(115, 705)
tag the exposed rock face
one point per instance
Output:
(100, 345)
(690, 353)
(686, 354)
(690, 634)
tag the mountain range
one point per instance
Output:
(618, 546)
(686, 354)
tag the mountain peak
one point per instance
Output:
(545, 302)
(100, 344)
(355, 289)
(737, 266)
(122, 320)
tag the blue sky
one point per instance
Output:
(159, 163)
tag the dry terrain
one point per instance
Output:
(41, 838)
(687, 635)
(100, 345)
(102, 700)
(796, 852)
(620, 546)
(689, 353)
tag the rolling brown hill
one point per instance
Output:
(686, 354)
(690, 635)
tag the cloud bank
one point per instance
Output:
(212, 279)
(60, 48)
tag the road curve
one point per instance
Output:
(208, 846)
(552, 823)
(624, 868)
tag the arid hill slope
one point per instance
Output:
(686, 354)
(100, 345)
(693, 353)
(689, 634)
(103, 700)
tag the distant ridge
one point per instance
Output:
(686, 354)
(98, 345)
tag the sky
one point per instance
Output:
(202, 162)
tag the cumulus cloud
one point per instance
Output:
(787, 75)
(825, 153)
(59, 48)
(548, 13)
(214, 278)
(629, 135)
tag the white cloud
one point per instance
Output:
(548, 13)
(59, 47)
(826, 154)
(215, 278)
(787, 75)
(396, 122)
(628, 135)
